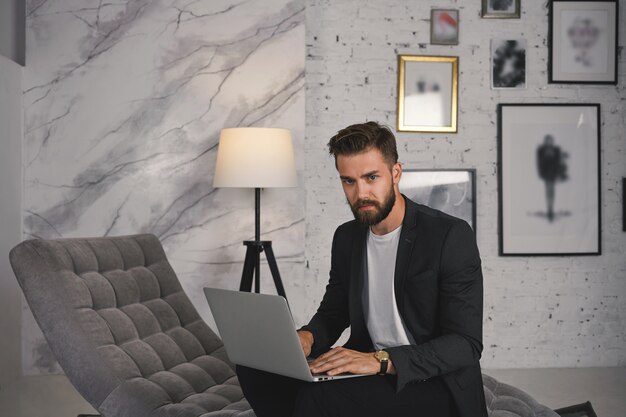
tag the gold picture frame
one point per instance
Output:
(427, 95)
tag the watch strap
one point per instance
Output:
(383, 367)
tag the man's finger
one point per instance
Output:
(338, 371)
(348, 365)
(327, 356)
(337, 361)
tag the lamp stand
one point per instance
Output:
(252, 263)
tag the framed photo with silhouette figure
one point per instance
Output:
(583, 42)
(549, 179)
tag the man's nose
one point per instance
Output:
(363, 190)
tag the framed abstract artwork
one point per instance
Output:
(444, 27)
(508, 63)
(452, 191)
(549, 179)
(500, 9)
(427, 93)
(583, 42)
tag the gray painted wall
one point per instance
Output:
(10, 217)
(12, 32)
(538, 311)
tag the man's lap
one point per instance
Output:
(362, 396)
(373, 396)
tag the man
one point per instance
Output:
(552, 168)
(407, 280)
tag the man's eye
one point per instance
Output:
(347, 181)
(372, 177)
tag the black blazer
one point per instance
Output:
(439, 293)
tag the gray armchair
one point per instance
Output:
(504, 400)
(123, 330)
(131, 342)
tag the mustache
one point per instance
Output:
(361, 203)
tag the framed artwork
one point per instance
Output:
(452, 191)
(427, 93)
(500, 9)
(583, 42)
(549, 179)
(508, 63)
(444, 27)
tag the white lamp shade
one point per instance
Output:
(255, 157)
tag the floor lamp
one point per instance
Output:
(250, 157)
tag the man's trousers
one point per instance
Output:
(272, 395)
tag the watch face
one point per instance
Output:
(381, 355)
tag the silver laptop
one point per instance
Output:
(258, 332)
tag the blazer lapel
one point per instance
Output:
(408, 236)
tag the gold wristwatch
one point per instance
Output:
(383, 358)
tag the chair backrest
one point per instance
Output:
(125, 333)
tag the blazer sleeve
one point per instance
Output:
(332, 316)
(460, 312)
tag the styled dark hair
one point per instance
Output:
(362, 137)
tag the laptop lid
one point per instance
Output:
(258, 332)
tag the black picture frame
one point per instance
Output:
(549, 179)
(452, 191)
(500, 9)
(580, 25)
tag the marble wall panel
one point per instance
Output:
(123, 105)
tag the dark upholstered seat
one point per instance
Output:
(131, 342)
(504, 400)
(123, 330)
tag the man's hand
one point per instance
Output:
(340, 360)
(306, 341)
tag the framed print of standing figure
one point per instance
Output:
(549, 179)
(583, 42)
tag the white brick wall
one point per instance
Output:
(539, 312)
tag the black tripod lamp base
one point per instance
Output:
(252, 266)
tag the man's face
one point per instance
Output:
(369, 185)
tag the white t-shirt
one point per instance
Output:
(381, 311)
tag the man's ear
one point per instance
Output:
(396, 172)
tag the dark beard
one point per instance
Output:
(382, 210)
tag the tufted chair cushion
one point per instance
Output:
(123, 330)
(507, 401)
